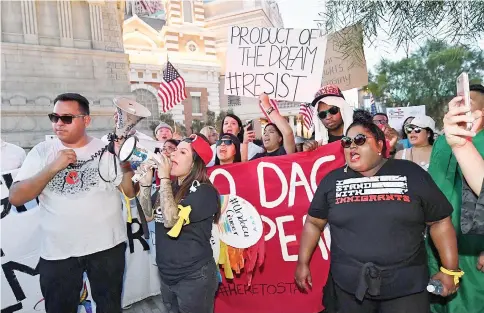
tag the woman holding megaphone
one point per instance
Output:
(184, 213)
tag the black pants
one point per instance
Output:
(61, 281)
(416, 303)
(193, 294)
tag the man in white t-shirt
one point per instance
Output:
(81, 213)
(12, 156)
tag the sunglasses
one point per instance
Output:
(66, 119)
(410, 128)
(359, 140)
(380, 122)
(333, 111)
(226, 142)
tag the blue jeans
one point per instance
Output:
(193, 294)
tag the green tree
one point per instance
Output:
(220, 118)
(406, 22)
(210, 118)
(196, 126)
(180, 129)
(164, 117)
(427, 77)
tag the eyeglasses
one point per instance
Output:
(66, 119)
(380, 122)
(410, 128)
(359, 140)
(333, 111)
(169, 149)
(226, 142)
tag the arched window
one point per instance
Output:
(187, 11)
(148, 99)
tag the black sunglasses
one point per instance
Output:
(359, 140)
(333, 110)
(66, 119)
(226, 142)
(410, 128)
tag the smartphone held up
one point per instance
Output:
(464, 92)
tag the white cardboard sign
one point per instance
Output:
(240, 225)
(285, 63)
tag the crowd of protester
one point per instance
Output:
(379, 249)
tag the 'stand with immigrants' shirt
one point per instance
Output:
(380, 220)
(81, 214)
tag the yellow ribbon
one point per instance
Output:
(183, 219)
(225, 261)
(128, 207)
(457, 274)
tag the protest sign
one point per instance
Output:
(240, 225)
(20, 242)
(396, 116)
(279, 188)
(344, 63)
(285, 63)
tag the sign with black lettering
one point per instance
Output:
(345, 63)
(285, 63)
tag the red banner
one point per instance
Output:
(281, 189)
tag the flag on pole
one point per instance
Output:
(306, 110)
(148, 5)
(373, 109)
(172, 88)
(274, 104)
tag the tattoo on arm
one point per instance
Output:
(167, 204)
(145, 201)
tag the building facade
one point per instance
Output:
(53, 47)
(192, 35)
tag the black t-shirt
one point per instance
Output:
(380, 219)
(332, 138)
(278, 152)
(181, 256)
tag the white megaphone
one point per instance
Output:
(137, 151)
(129, 113)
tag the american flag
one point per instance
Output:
(307, 112)
(149, 6)
(172, 88)
(373, 109)
(274, 104)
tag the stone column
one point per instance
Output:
(64, 13)
(96, 18)
(29, 22)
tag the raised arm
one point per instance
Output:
(281, 123)
(469, 159)
(29, 188)
(144, 196)
(167, 200)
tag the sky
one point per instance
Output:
(295, 15)
(304, 14)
